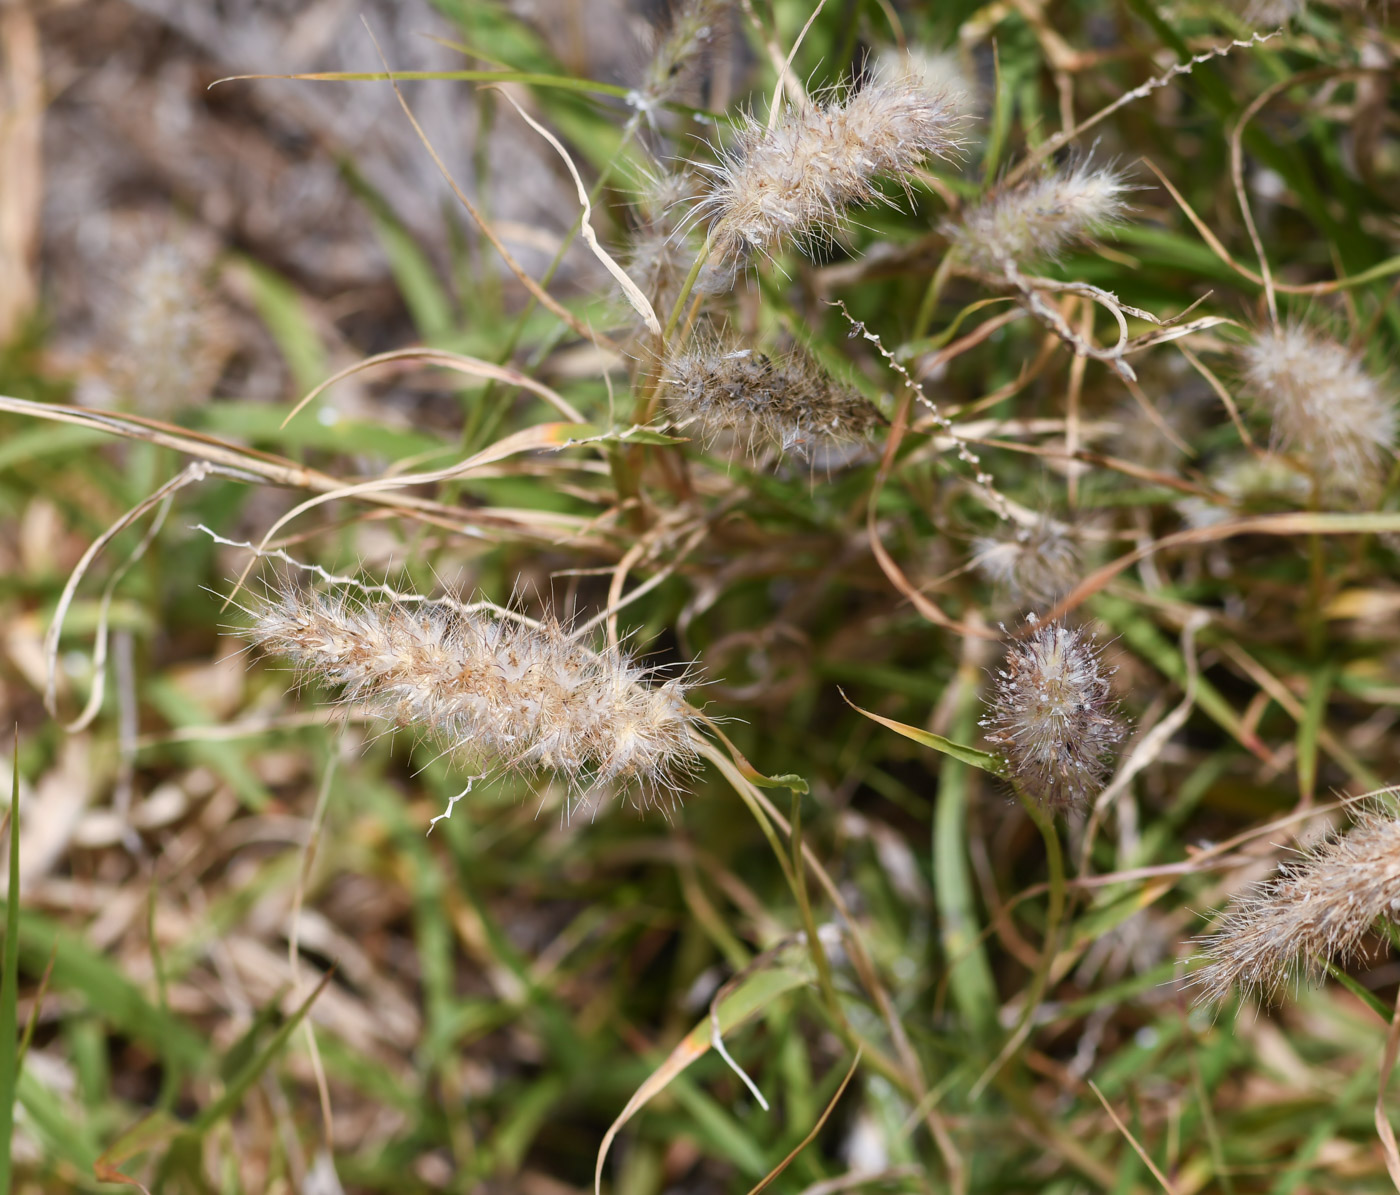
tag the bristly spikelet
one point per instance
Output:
(495, 692)
(690, 38)
(1323, 403)
(793, 183)
(1040, 217)
(1053, 715)
(660, 254)
(1036, 564)
(787, 403)
(171, 338)
(941, 74)
(1318, 908)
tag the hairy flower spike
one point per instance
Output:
(172, 339)
(790, 403)
(1036, 563)
(1323, 403)
(688, 40)
(495, 691)
(1053, 715)
(1040, 217)
(793, 183)
(660, 254)
(1317, 908)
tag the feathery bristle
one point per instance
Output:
(790, 403)
(1323, 403)
(496, 692)
(1053, 715)
(1036, 564)
(1040, 217)
(793, 183)
(940, 74)
(1314, 910)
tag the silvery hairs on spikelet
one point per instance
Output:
(1323, 402)
(693, 34)
(497, 691)
(786, 403)
(1053, 715)
(1317, 908)
(793, 183)
(1041, 216)
(1037, 564)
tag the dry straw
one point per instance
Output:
(497, 692)
(1319, 907)
(1053, 715)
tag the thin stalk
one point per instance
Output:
(1054, 918)
(689, 285)
(930, 300)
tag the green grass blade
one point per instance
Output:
(9, 990)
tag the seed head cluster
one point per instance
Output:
(1323, 403)
(1053, 715)
(789, 403)
(794, 182)
(495, 692)
(1040, 217)
(1036, 564)
(1319, 907)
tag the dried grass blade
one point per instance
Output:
(816, 1128)
(639, 301)
(471, 366)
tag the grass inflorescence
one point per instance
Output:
(927, 479)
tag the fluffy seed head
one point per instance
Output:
(660, 253)
(1317, 908)
(1323, 403)
(689, 39)
(941, 74)
(787, 403)
(1036, 564)
(1053, 716)
(170, 337)
(496, 692)
(794, 182)
(1040, 217)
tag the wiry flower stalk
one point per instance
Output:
(1318, 908)
(1053, 715)
(789, 403)
(794, 182)
(1323, 403)
(494, 691)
